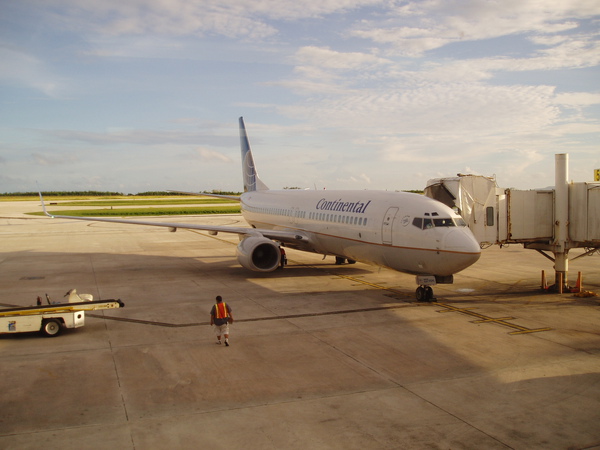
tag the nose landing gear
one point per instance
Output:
(425, 291)
(424, 294)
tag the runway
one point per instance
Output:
(321, 356)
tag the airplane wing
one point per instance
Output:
(229, 197)
(278, 235)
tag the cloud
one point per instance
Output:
(326, 58)
(364, 178)
(418, 27)
(437, 109)
(575, 99)
(119, 136)
(138, 46)
(45, 159)
(23, 69)
(575, 52)
(423, 85)
(174, 18)
(209, 155)
(233, 19)
(322, 70)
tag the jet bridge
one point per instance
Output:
(551, 221)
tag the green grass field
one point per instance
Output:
(130, 206)
(120, 212)
(147, 202)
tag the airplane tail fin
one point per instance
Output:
(250, 177)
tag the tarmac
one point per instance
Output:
(321, 356)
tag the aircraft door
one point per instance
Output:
(387, 225)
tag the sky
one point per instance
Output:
(143, 95)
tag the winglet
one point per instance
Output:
(43, 204)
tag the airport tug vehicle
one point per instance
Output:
(52, 318)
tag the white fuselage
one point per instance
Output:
(406, 232)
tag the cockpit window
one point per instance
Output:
(444, 222)
(426, 223)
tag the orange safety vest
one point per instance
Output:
(221, 311)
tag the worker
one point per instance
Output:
(220, 317)
(283, 260)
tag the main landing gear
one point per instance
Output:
(340, 260)
(424, 294)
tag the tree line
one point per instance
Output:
(107, 194)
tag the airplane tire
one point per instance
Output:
(339, 260)
(51, 328)
(421, 294)
(429, 293)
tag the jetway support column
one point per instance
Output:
(561, 221)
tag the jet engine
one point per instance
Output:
(259, 254)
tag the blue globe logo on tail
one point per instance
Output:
(250, 177)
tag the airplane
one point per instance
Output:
(406, 232)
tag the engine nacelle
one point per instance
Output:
(259, 254)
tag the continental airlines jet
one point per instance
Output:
(406, 232)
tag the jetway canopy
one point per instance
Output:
(471, 196)
(546, 220)
(501, 216)
(584, 207)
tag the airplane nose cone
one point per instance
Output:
(461, 241)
